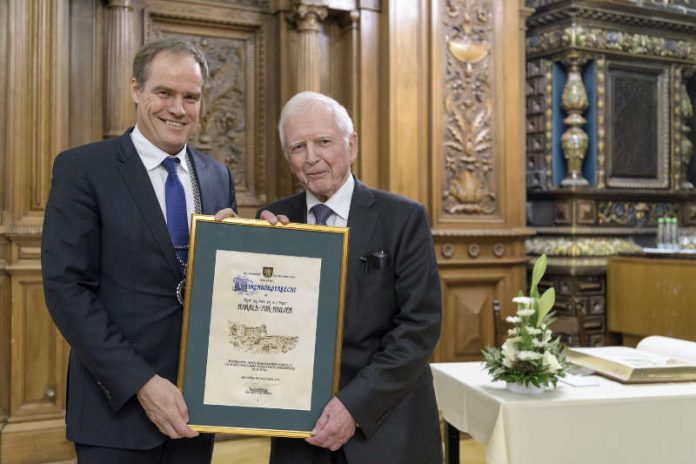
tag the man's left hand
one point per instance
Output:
(334, 428)
(225, 213)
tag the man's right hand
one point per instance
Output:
(165, 407)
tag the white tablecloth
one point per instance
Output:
(608, 423)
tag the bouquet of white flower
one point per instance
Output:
(530, 356)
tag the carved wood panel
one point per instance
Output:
(468, 324)
(234, 111)
(469, 184)
(39, 354)
(5, 339)
(37, 75)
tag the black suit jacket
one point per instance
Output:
(391, 325)
(110, 275)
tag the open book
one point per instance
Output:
(655, 359)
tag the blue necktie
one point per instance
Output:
(177, 219)
(321, 213)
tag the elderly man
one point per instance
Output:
(113, 254)
(385, 410)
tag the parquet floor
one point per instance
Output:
(255, 450)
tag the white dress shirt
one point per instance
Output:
(339, 204)
(152, 158)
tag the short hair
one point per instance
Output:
(304, 101)
(148, 52)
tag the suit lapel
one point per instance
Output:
(361, 220)
(135, 177)
(201, 166)
(297, 211)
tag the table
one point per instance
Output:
(606, 423)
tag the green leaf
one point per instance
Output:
(545, 304)
(537, 273)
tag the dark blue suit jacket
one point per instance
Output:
(391, 325)
(110, 275)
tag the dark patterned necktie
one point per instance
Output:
(321, 213)
(177, 219)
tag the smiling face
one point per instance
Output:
(317, 151)
(169, 100)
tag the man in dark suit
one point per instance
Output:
(385, 410)
(113, 255)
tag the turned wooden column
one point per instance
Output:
(120, 48)
(307, 19)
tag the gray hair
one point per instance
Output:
(304, 101)
(143, 59)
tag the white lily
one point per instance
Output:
(524, 300)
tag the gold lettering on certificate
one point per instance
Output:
(263, 325)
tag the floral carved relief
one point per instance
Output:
(469, 163)
(624, 213)
(223, 126)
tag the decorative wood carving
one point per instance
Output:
(120, 49)
(601, 73)
(630, 213)
(574, 140)
(307, 19)
(539, 136)
(607, 40)
(683, 113)
(635, 159)
(232, 118)
(638, 126)
(469, 162)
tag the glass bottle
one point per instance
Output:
(660, 239)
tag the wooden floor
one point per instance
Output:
(255, 451)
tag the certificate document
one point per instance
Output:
(263, 324)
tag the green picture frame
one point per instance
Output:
(215, 348)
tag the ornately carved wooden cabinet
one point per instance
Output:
(435, 89)
(611, 86)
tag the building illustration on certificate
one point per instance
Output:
(255, 339)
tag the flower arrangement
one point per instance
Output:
(530, 356)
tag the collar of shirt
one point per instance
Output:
(151, 155)
(339, 202)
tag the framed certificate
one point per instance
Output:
(262, 327)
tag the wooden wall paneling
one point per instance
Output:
(651, 296)
(5, 334)
(404, 87)
(368, 99)
(38, 90)
(86, 100)
(5, 337)
(477, 162)
(120, 46)
(287, 83)
(36, 82)
(468, 320)
(36, 428)
(343, 56)
(234, 114)
(4, 180)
